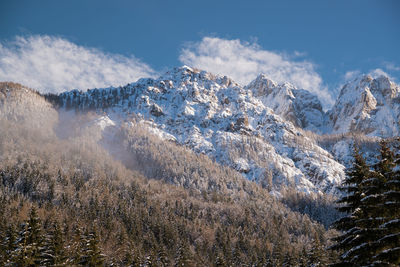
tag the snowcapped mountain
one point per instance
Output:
(369, 106)
(215, 116)
(298, 106)
(258, 130)
(365, 105)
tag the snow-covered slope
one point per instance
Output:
(258, 129)
(369, 106)
(298, 106)
(229, 123)
(23, 105)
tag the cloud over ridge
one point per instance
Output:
(53, 64)
(243, 61)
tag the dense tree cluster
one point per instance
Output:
(66, 201)
(371, 230)
(34, 244)
(138, 220)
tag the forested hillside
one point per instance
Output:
(79, 189)
(67, 201)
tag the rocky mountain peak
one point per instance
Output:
(367, 105)
(298, 106)
(262, 86)
(256, 129)
(214, 115)
(383, 87)
(185, 75)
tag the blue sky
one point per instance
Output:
(310, 43)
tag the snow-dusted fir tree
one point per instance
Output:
(162, 258)
(350, 204)
(77, 246)
(53, 252)
(182, 256)
(8, 245)
(371, 229)
(371, 208)
(91, 254)
(28, 243)
(387, 245)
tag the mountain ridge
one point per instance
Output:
(215, 116)
(260, 130)
(367, 105)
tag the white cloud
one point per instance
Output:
(243, 61)
(351, 75)
(52, 64)
(391, 66)
(299, 54)
(379, 72)
(374, 73)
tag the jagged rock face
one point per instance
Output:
(254, 129)
(368, 106)
(231, 124)
(298, 106)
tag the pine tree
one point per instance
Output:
(3, 243)
(53, 251)
(162, 258)
(148, 261)
(91, 254)
(351, 202)
(303, 258)
(77, 247)
(29, 242)
(182, 256)
(387, 245)
(278, 255)
(236, 255)
(371, 208)
(9, 245)
(371, 230)
(316, 256)
(219, 261)
(133, 258)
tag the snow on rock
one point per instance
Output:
(237, 126)
(343, 152)
(258, 129)
(298, 106)
(103, 122)
(368, 106)
(21, 104)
